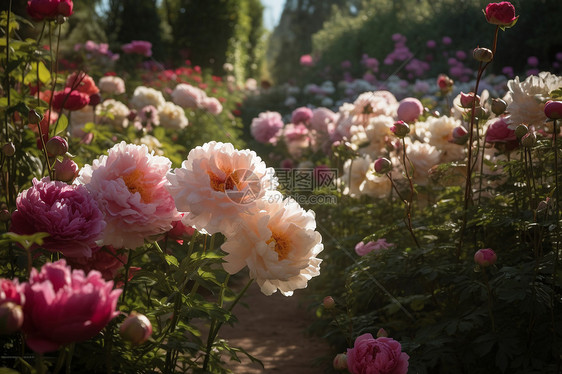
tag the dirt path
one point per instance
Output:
(272, 329)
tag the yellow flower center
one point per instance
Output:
(135, 183)
(282, 246)
(223, 184)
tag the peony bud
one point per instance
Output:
(468, 99)
(33, 117)
(136, 328)
(529, 140)
(340, 361)
(409, 109)
(521, 131)
(501, 14)
(445, 83)
(56, 146)
(485, 257)
(5, 215)
(482, 54)
(553, 109)
(60, 19)
(9, 149)
(95, 99)
(498, 106)
(65, 170)
(382, 333)
(383, 166)
(11, 318)
(329, 302)
(400, 129)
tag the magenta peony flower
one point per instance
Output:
(49, 9)
(499, 132)
(129, 186)
(267, 127)
(301, 115)
(107, 260)
(11, 292)
(501, 14)
(380, 356)
(70, 99)
(69, 214)
(139, 47)
(409, 109)
(485, 257)
(64, 306)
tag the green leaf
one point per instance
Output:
(44, 74)
(25, 241)
(171, 260)
(61, 125)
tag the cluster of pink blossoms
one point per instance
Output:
(58, 306)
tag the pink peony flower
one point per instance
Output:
(188, 96)
(216, 182)
(323, 120)
(363, 248)
(11, 292)
(107, 260)
(129, 185)
(485, 257)
(139, 47)
(381, 356)
(306, 60)
(49, 9)
(212, 105)
(266, 128)
(70, 99)
(301, 115)
(409, 109)
(64, 306)
(279, 244)
(69, 214)
(501, 14)
(499, 132)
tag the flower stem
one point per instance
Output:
(215, 326)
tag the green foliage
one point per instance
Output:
(347, 37)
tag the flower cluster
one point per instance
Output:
(225, 190)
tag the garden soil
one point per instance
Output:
(273, 329)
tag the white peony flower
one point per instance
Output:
(216, 183)
(359, 178)
(437, 132)
(528, 98)
(112, 85)
(278, 242)
(172, 116)
(144, 96)
(113, 112)
(422, 156)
